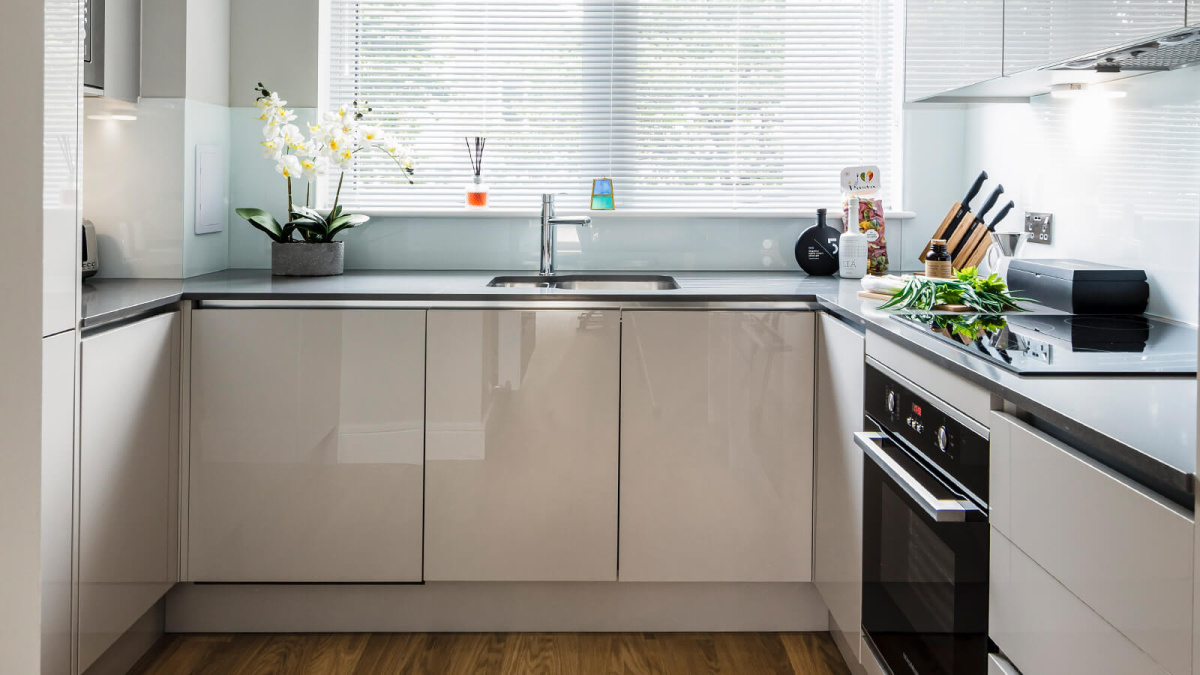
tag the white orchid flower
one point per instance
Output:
(271, 101)
(291, 136)
(272, 148)
(284, 116)
(289, 166)
(344, 158)
(271, 130)
(337, 143)
(371, 134)
(314, 166)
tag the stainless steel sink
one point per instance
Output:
(590, 282)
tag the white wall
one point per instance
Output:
(21, 52)
(1122, 178)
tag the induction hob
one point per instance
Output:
(1069, 344)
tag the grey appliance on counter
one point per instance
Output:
(925, 530)
(1080, 287)
(90, 263)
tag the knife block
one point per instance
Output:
(968, 228)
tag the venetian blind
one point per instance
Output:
(685, 104)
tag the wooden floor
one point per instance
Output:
(507, 653)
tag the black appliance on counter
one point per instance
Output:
(925, 530)
(1080, 287)
(1069, 344)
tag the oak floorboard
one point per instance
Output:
(495, 654)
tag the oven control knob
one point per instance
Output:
(920, 428)
(891, 401)
(942, 439)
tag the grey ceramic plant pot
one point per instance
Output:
(301, 259)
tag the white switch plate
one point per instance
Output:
(210, 189)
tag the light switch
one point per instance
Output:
(210, 189)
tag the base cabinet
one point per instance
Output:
(128, 515)
(716, 446)
(521, 475)
(837, 521)
(307, 432)
(58, 503)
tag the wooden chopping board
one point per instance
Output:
(936, 308)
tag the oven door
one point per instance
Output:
(925, 566)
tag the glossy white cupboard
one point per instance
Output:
(951, 44)
(128, 515)
(521, 445)
(62, 93)
(716, 446)
(58, 502)
(837, 520)
(1044, 628)
(1123, 551)
(307, 431)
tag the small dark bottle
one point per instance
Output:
(937, 263)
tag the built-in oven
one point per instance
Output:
(925, 530)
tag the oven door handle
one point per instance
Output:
(940, 510)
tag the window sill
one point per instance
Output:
(766, 214)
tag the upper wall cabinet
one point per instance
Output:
(951, 44)
(307, 431)
(112, 48)
(1041, 32)
(60, 175)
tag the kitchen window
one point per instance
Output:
(685, 104)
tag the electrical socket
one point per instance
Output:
(1040, 227)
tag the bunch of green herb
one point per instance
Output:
(968, 327)
(984, 294)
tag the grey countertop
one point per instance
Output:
(1143, 427)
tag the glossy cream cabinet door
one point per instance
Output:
(58, 500)
(717, 446)
(1042, 32)
(837, 521)
(1045, 629)
(1122, 550)
(521, 479)
(128, 519)
(307, 432)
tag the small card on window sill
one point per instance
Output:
(602, 195)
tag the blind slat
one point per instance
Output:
(683, 103)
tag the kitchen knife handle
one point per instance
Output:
(1000, 216)
(991, 201)
(975, 188)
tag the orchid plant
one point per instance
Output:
(333, 143)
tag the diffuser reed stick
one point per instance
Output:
(477, 192)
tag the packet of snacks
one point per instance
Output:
(862, 204)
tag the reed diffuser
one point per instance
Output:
(477, 190)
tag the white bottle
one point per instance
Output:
(852, 246)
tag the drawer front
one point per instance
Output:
(1042, 626)
(1123, 551)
